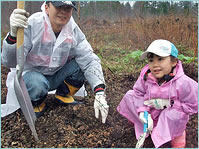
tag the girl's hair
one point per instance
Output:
(151, 55)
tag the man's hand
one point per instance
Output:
(157, 103)
(143, 120)
(100, 104)
(18, 18)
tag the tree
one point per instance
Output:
(164, 8)
(128, 10)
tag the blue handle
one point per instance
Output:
(146, 124)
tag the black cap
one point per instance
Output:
(63, 3)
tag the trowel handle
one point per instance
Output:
(20, 31)
(146, 124)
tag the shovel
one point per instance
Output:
(19, 85)
(142, 137)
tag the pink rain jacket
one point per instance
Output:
(170, 122)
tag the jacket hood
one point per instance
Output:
(178, 69)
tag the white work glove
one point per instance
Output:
(18, 18)
(157, 103)
(100, 104)
(143, 120)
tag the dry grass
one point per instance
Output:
(179, 30)
(138, 33)
(116, 41)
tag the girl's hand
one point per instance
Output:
(158, 104)
(144, 120)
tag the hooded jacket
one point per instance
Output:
(47, 54)
(182, 89)
(170, 122)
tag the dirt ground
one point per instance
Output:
(76, 126)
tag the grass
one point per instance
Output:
(120, 47)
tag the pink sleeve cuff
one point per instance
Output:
(143, 108)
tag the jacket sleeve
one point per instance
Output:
(139, 93)
(187, 92)
(8, 55)
(88, 61)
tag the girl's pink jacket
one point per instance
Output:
(170, 122)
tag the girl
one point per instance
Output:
(165, 92)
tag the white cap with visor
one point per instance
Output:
(161, 48)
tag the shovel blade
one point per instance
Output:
(25, 104)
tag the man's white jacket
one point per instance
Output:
(47, 54)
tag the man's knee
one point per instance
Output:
(76, 79)
(37, 85)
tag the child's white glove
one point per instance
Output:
(18, 18)
(157, 103)
(143, 120)
(100, 104)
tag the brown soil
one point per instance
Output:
(76, 126)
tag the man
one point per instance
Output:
(58, 56)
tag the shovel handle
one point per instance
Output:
(145, 124)
(20, 31)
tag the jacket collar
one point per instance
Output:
(177, 72)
